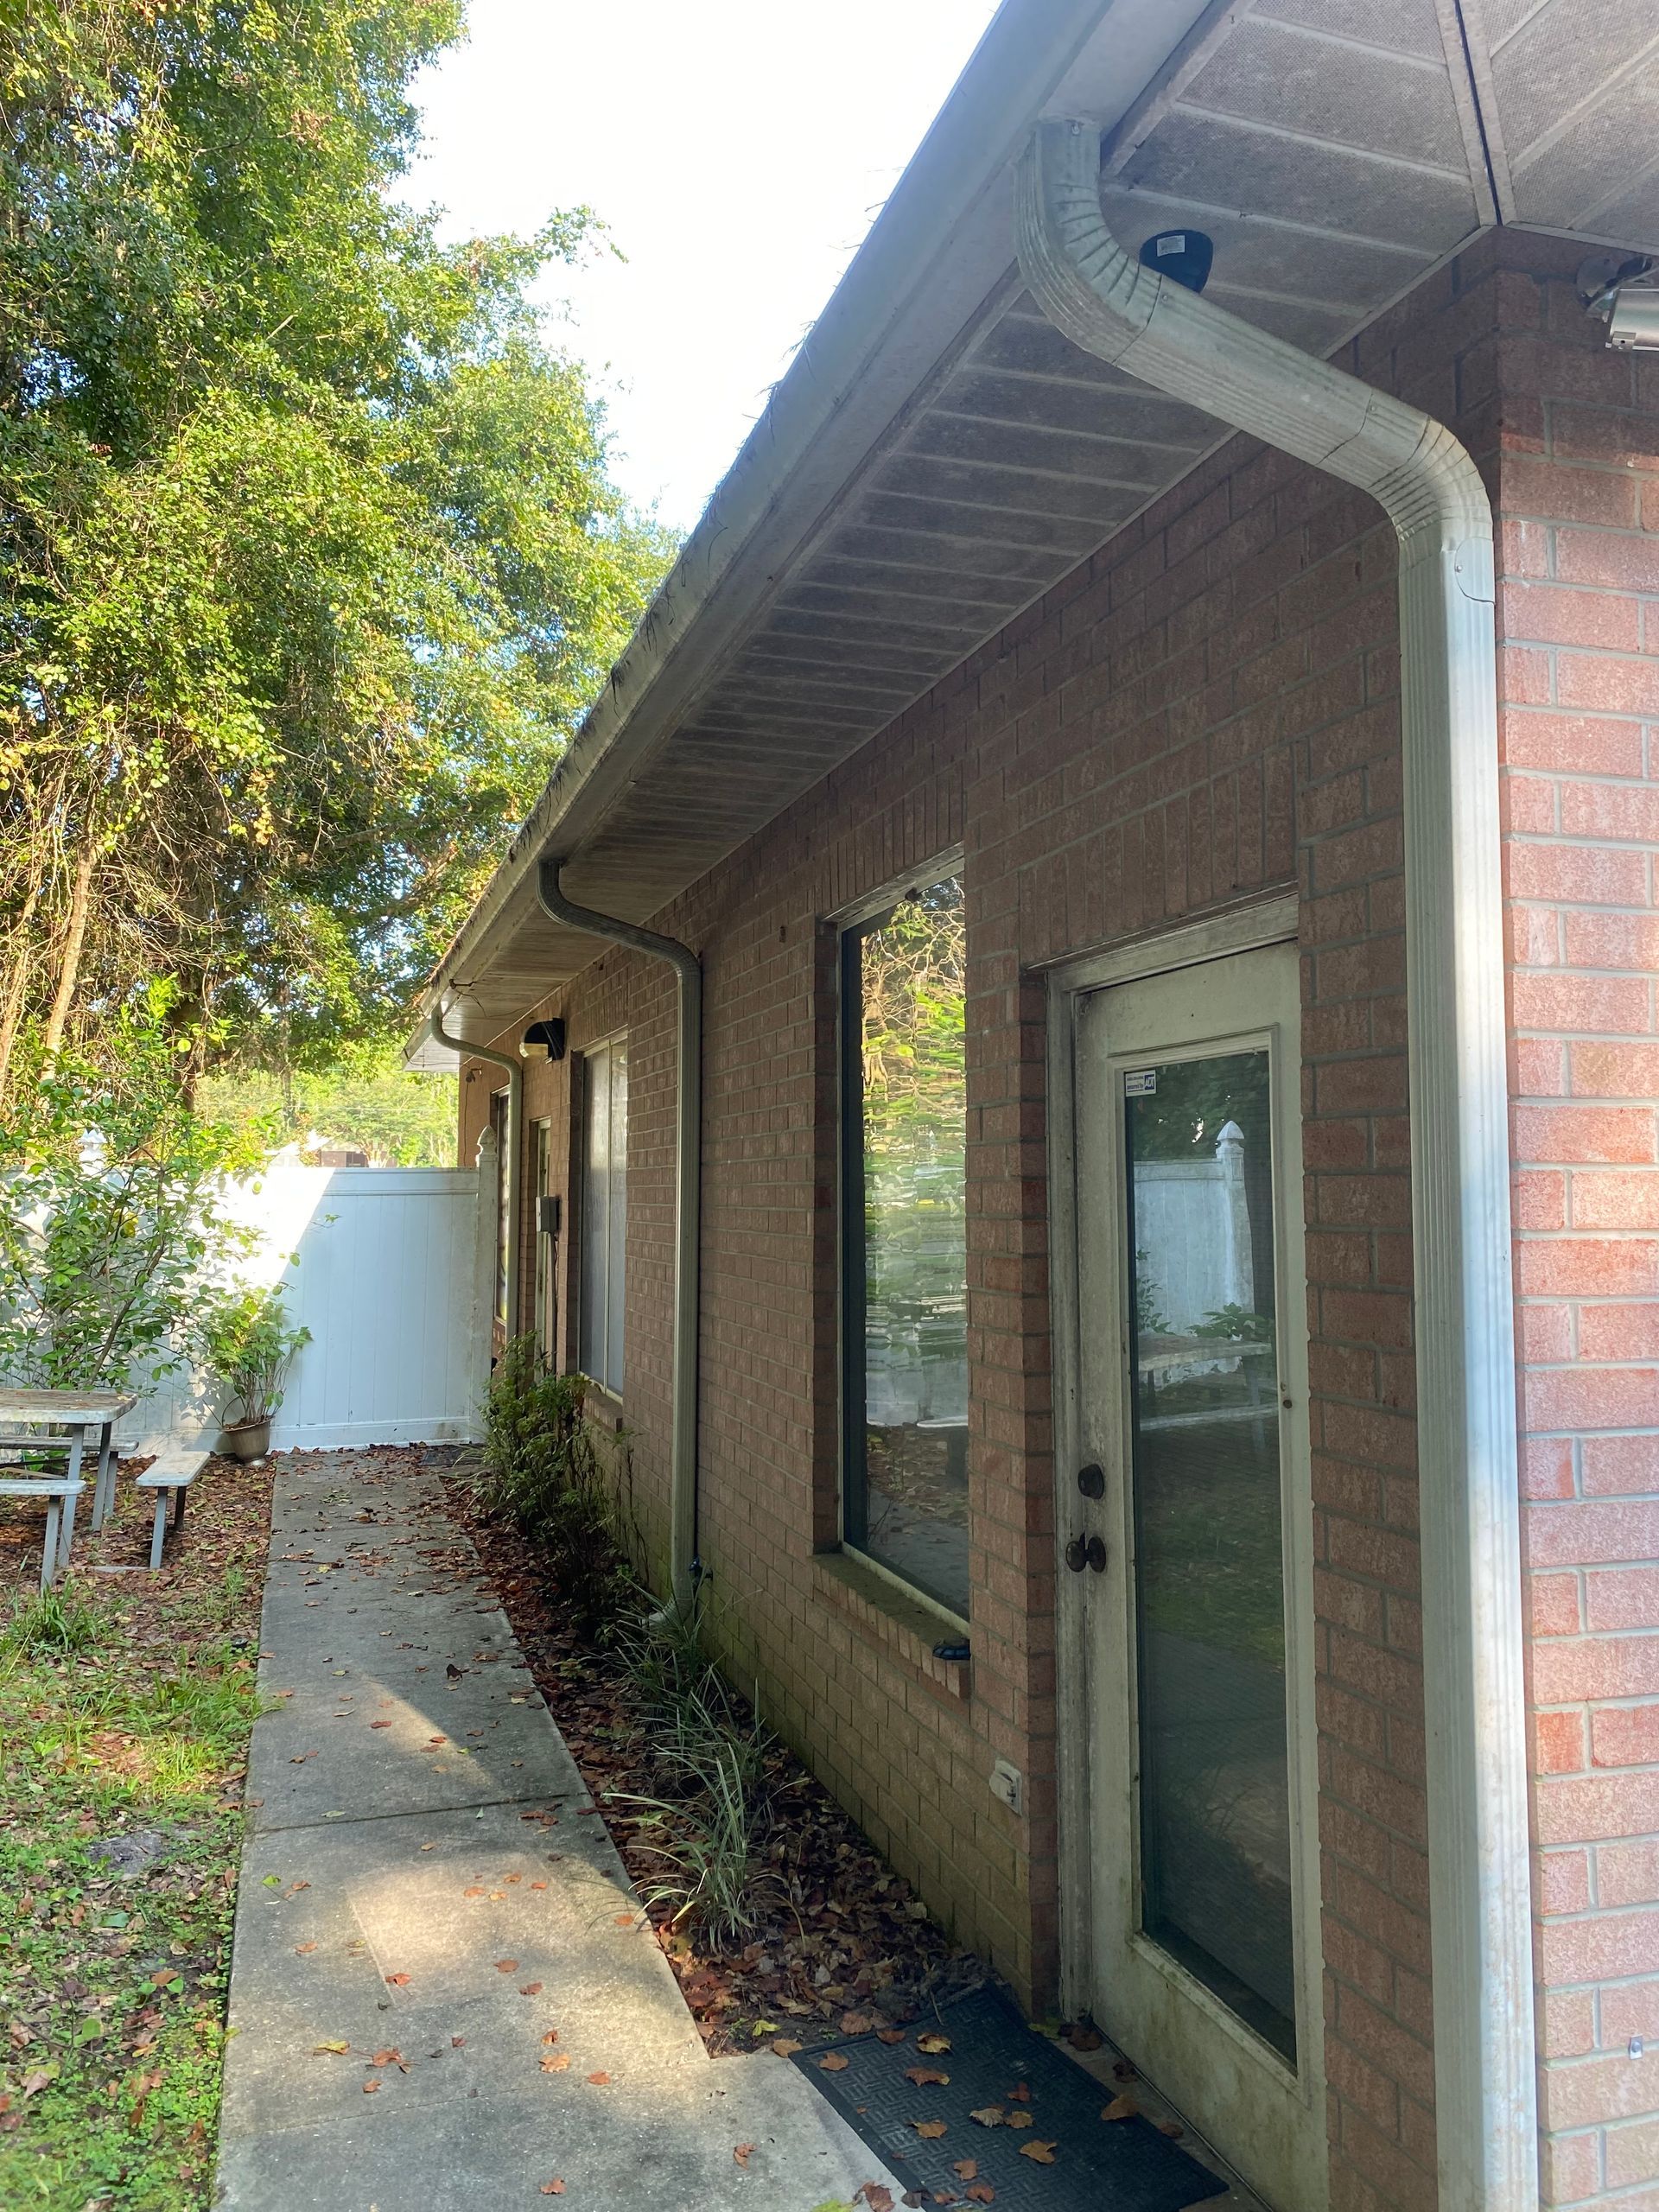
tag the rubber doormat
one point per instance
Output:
(999, 2117)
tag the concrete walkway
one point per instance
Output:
(426, 1886)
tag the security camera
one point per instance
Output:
(1624, 294)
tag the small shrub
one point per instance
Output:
(542, 1466)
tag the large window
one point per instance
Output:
(904, 1242)
(603, 1213)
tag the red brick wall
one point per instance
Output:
(1206, 709)
(1579, 628)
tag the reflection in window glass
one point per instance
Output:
(1209, 1536)
(604, 1214)
(905, 1242)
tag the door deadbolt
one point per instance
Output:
(1091, 1480)
(1091, 1554)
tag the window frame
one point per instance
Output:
(615, 1240)
(500, 1122)
(852, 925)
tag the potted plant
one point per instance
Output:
(246, 1342)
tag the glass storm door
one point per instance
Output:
(1192, 1340)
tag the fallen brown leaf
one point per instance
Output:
(876, 2194)
(530, 1989)
(506, 1966)
(399, 1981)
(834, 2063)
(1171, 2128)
(1020, 2093)
(981, 2193)
(1020, 2120)
(787, 2046)
(303, 1950)
(625, 1920)
(1120, 2108)
(369, 2089)
(1082, 2038)
(889, 2034)
(742, 2152)
(387, 2058)
(933, 2043)
(333, 2049)
(1040, 2154)
(475, 1891)
(856, 2023)
(554, 2188)
(599, 2081)
(929, 2130)
(966, 2169)
(552, 2035)
(379, 1723)
(990, 2116)
(557, 2061)
(925, 2076)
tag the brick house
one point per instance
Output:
(1136, 850)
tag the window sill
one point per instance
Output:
(603, 1407)
(900, 1621)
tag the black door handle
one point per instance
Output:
(1091, 1480)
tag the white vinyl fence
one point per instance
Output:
(380, 1264)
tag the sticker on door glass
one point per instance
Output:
(1140, 1083)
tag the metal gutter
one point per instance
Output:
(1480, 1895)
(685, 1568)
(515, 1148)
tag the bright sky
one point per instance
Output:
(737, 149)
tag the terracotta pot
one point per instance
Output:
(247, 1439)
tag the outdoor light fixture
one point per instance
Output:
(543, 1041)
(1624, 294)
(1186, 255)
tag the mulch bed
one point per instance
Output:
(846, 1947)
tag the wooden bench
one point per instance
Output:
(59, 1492)
(169, 1476)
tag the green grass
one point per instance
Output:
(124, 1707)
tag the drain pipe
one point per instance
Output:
(685, 1568)
(515, 1149)
(1479, 1898)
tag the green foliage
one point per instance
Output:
(709, 1863)
(367, 1101)
(308, 556)
(710, 1753)
(245, 1341)
(58, 1622)
(543, 1466)
(1235, 1325)
(112, 1215)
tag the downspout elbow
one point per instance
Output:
(514, 1147)
(685, 1567)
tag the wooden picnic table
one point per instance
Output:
(71, 1424)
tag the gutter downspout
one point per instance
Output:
(1480, 1895)
(515, 1149)
(685, 1568)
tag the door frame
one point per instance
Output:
(1262, 923)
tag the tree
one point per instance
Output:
(114, 1217)
(310, 557)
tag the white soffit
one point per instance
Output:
(1570, 93)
